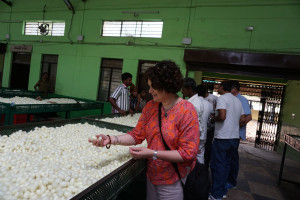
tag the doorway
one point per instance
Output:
(20, 69)
(265, 100)
(49, 65)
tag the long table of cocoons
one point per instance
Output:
(54, 160)
(128, 120)
(57, 103)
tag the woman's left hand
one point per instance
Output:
(140, 152)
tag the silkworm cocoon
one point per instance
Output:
(125, 120)
(94, 138)
(47, 169)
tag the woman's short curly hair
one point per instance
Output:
(165, 75)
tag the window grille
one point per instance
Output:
(54, 28)
(149, 29)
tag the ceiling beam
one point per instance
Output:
(7, 2)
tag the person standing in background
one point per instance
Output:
(234, 168)
(143, 99)
(189, 90)
(229, 116)
(134, 98)
(210, 98)
(204, 141)
(208, 134)
(43, 85)
(119, 99)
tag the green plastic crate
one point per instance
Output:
(4, 113)
(4, 108)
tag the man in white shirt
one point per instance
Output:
(119, 99)
(207, 113)
(210, 98)
(226, 138)
(210, 127)
(189, 90)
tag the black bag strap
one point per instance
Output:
(166, 146)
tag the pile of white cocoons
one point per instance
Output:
(26, 100)
(125, 120)
(50, 163)
(21, 100)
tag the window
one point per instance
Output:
(110, 77)
(150, 29)
(51, 28)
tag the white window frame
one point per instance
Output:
(55, 28)
(148, 29)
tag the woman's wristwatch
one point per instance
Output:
(154, 157)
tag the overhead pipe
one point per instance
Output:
(69, 5)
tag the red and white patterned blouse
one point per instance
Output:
(181, 132)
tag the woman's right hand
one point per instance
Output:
(102, 140)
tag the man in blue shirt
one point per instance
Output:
(234, 168)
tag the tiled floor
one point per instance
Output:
(257, 180)
(258, 176)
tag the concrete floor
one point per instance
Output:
(258, 176)
(257, 180)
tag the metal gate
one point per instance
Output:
(268, 123)
(268, 127)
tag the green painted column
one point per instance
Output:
(7, 68)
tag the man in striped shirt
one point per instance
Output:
(119, 99)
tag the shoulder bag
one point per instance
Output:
(197, 184)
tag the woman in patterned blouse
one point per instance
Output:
(180, 130)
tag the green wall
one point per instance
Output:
(291, 104)
(217, 24)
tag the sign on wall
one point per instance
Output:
(21, 48)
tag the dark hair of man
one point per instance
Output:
(236, 85)
(43, 76)
(165, 75)
(189, 83)
(125, 76)
(227, 85)
(201, 90)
